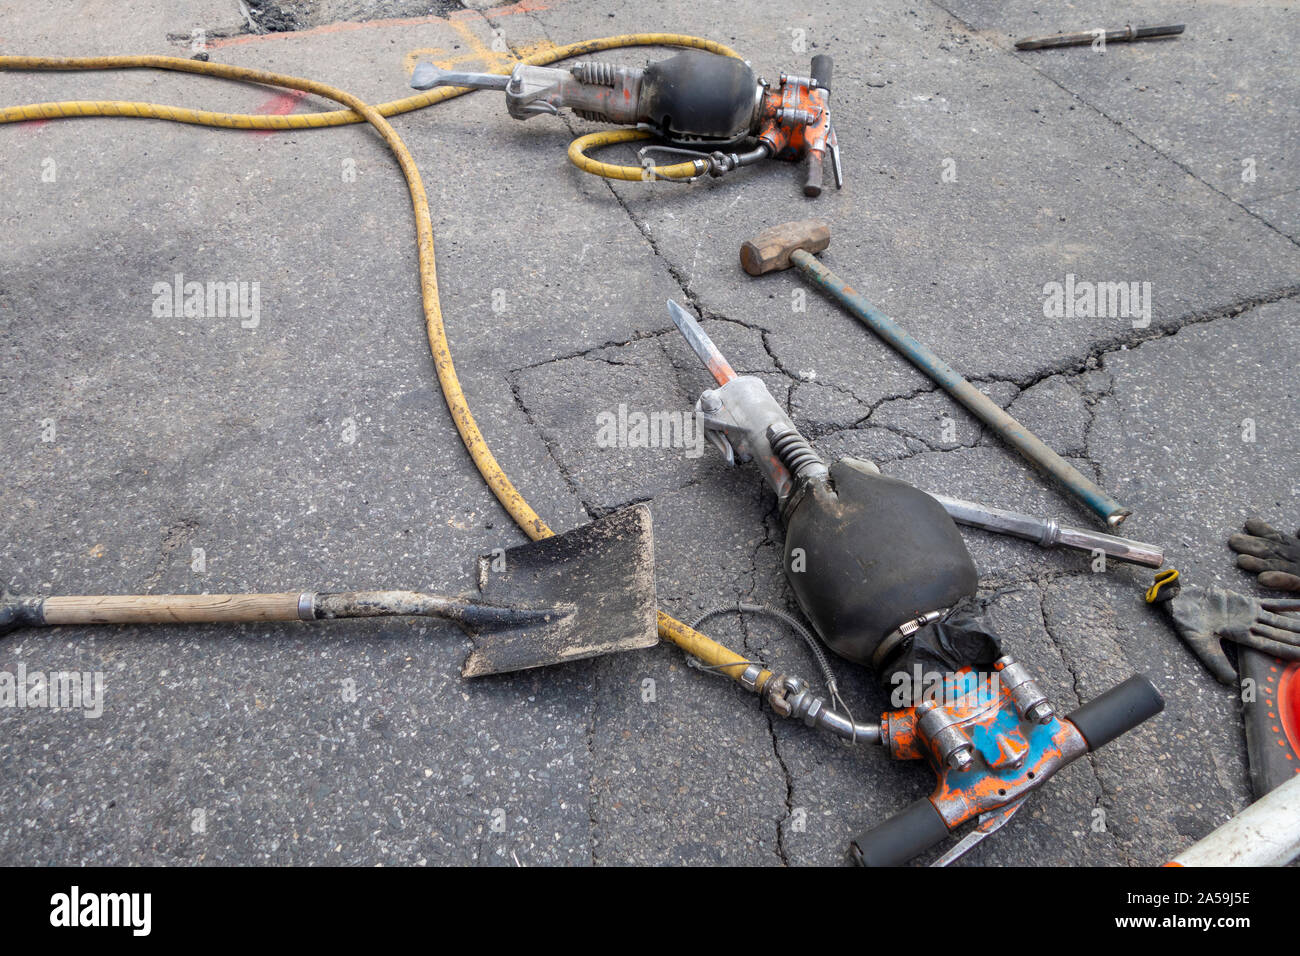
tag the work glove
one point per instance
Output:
(1205, 616)
(1273, 555)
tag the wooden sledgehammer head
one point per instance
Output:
(770, 250)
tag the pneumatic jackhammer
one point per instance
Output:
(710, 109)
(880, 570)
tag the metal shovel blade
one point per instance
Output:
(604, 571)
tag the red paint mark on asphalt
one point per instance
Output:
(282, 104)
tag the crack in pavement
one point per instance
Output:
(174, 535)
(552, 449)
(788, 776)
(1094, 397)
(593, 821)
(638, 336)
(1094, 358)
(764, 335)
(1093, 404)
(1105, 793)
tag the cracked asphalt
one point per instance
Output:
(312, 449)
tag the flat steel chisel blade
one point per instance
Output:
(426, 76)
(701, 344)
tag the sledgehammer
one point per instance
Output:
(793, 244)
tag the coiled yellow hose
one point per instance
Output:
(19, 114)
(670, 629)
(578, 156)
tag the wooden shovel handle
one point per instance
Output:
(171, 608)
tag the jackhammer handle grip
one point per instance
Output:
(1117, 711)
(900, 838)
(821, 70)
(813, 184)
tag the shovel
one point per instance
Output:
(585, 592)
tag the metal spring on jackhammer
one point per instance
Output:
(595, 73)
(792, 448)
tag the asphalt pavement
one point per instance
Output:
(302, 443)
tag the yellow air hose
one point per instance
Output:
(608, 137)
(707, 650)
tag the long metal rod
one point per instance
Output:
(1049, 533)
(1087, 37)
(979, 404)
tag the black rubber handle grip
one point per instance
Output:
(821, 70)
(1117, 711)
(905, 835)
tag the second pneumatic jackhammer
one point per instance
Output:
(711, 110)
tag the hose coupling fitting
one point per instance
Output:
(721, 163)
(749, 677)
(791, 697)
(782, 692)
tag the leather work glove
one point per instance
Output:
(1273, 555)
(1205, 616)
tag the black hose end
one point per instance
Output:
(821, 70)
(1117, 711)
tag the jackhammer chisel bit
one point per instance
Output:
(1088, 37)
(1049, 533)
(426, 76)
